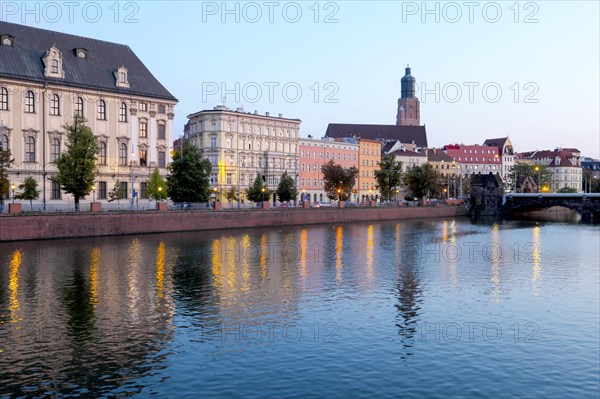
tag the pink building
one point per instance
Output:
(312, 154)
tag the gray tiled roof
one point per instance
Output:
(406, 134)
(23, 61)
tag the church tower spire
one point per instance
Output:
(409, 113)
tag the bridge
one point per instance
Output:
(585, 204)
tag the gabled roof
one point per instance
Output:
(23, 61)
(437, 155)
(406, 134)
(499, 142)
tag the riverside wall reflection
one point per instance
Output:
(105, 316)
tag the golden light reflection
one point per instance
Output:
(263, 255)
(160, 270)
(245, 263)
(216, 263)
(13, 284)
(231, 270)
(339, 236)
(94, 263)
(135, 254)
(370, 252)
(445, 231)
(303, 246)
(536, 271)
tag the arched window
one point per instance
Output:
(4, 142)
(102, 153)
(123, 113)
(3, 99)
(54, 150)
(79, 106)
(55, 105)
(29, 149)
(102, 110)
(30, 102)
(123, 154)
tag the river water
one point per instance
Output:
(433, 308)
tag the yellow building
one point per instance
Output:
(369, 153)
(241, 145)
(129, 111)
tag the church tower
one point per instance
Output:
(409, 113)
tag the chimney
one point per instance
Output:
(281, 115)
(267, 114)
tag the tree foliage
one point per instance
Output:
(231, 195)
(258, 191)
(338, 180)
(29, 191)
(520, 170)
(421, 180)
(77, 165)
(286, 190)
(388, 176)
(6, 162)
(157, 187)
(566, 189)
(117, 192)
(188, 181)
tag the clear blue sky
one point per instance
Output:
(549, 49)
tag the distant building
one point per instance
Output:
(369, 155)
(241, 145)
(507, 156)
(564, 163)
(312, 154)
(48, 77)
(446, 167)
(409, 113)
(475, 159)
(414, 135)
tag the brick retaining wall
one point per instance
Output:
(34, 227)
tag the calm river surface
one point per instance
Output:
(436, 308)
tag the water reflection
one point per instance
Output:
(13, 285)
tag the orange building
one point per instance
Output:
(368, 162)
(312, 154)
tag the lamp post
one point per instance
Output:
(93, 193)
(537, 169)
(339, 192)
(13, 190)
(159, 195)
(132, 183)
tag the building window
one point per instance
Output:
(102, 190)
(55, 105)
(123, 154)
(3, 99)
(30, 102)
(161, 109)
(29, 149)
(143, 157)
(123, 113)
(102, 110)
(79, 106)
(213, 126)
(55, 194)
(213, 142)
(161, 131)
(143, 107)
(161, 159)
(123, 77)
(54, 66)
(124, 189)
(144, 189)
(143, 129)
(54, 150)
(3, 142)
(102, 153)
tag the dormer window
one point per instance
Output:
(121, 77)
(6, 40)
(53, 64)
(81, 53)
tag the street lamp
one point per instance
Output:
(132, 183)
(537, 169)
(93, 193)
(159, 195)
(13, 190)
(339, 191)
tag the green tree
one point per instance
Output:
(421, 180)
(6, 162)
(231, 195)
(566, 189)
(188, 181)
(77, 165)
(157, 187)
(117, 192)
(29, 191)
(388, 176)
(258, 192)
(286, 190)
(338, 180)
(520, 170)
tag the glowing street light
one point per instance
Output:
(94, 193)
(13, 190)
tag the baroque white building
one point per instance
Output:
(47, 77)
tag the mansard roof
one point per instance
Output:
(23, 61)
(405, 134)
